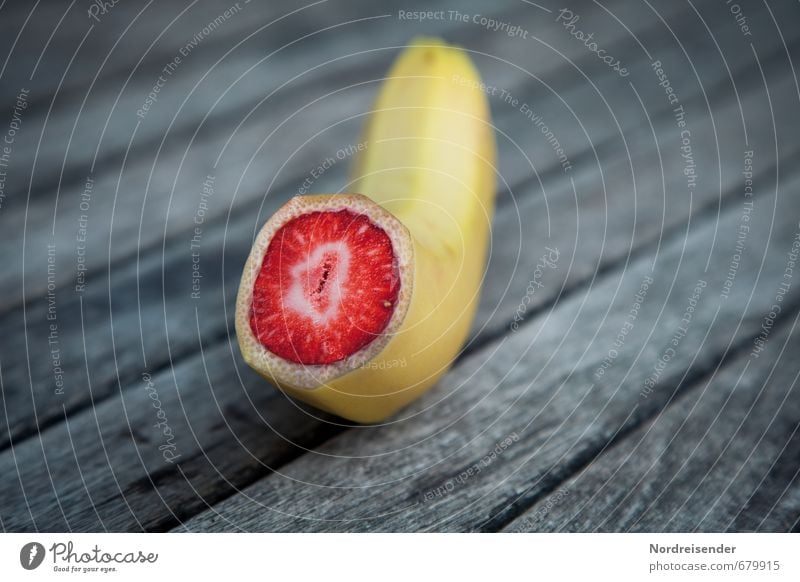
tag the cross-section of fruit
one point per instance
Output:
(357, 303)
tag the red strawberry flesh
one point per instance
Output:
(327, 287)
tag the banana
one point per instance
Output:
(358, 303)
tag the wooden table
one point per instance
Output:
(641, 377)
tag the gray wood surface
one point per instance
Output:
(149, 189)
(159, 277)
(539, 384)
(577, 450)
(583, 262)
(719, 459)
(195, 419)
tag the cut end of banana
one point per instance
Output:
(328, 282)
(359, 305)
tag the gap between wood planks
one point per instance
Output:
(685, 384)
(75, 174)
(223, 333)
(129, 378)
(640, 472)
(244, 210)
(31, 289)
(179, 505)
(274, 488)
(241, 211)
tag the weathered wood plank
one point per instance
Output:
(241, 57)
(723, 458)
(310, 22)
(201, 410)
(539, 387)
(224, 443)
(158, 162)
(39, 66)
(152, 454)
(89, 133)
(193, 411)
(156, 518)
(149, 296)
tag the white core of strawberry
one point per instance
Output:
(327, 286)
(323, 303)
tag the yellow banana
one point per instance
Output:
(356, 303)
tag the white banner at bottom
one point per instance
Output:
(355, 557)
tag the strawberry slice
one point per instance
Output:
(327, 286)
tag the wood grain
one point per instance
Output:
(148, 189)
(138, 350)
(722, 458)
(137, 317)
(539, 384)
(490, 392)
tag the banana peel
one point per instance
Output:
(359, 303)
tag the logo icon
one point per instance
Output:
(31, 555)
